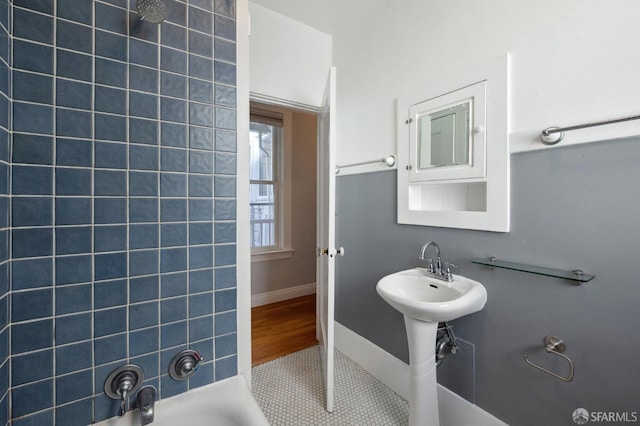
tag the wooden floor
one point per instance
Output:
(279, 329)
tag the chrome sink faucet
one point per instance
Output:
(436, 270)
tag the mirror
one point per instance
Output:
(443, 137)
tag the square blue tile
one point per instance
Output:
(173, 284)
(200, 67)
(76, 11)
(110, 210)
(44, 6)
(143, 210)
(143, 131)
(143, 288)
(173, 110)
(200, 210)
(73, 94)
(201, 233)
(200, 114)
(173, 185)
(143, 53)
(32, 57)
(73, 123)
(74, 386)
(74, 65)
(225, 118)
(29, 211)
(200, 257)
(28, 180)
(31, 367)
(31, 398)
(225, 96)
(143, 315)
(200, 91)
(200, 162)
(110, 349)
(32, 149)
(32, 304)
(200, 20)
(225, 163)
(74, 152)
(200, 328)
(205, 376)
(33, 242)
(73, 328)
(224, 73)
(74, 357)
(150, 363)
(173, 210)
(111, 100)
(111, 18)
(176, 12)
(201, 304)
(143, 183)
(110, 266)
(224, 27)
(110, 238)
(110, 293)
(173, 160)
(173, 334)
(143, 105)
(143, 157)
(204, 4)
(32, 118)
(110, 155)
(200, 185)
(225, 141)
(200, 44)
(73, 269)
(173, 60)
(224, 50)
(111, 73)
(225, 232)
(173, 85)
(174, 234)
(109, 321)
(200, 138)
(170, 387)
(201, 280)
(225, 209)
(78, 413)
(172, 310)
(173, 260)
(143, 262)
(73, 211)
(143, 236)
(225, 300)
(110, 182)
(73, 181)
(73, 240)
(226, 323)
(226, 367)
(31, 273)
(111, 46)
(73, 299)
(174, 36)
(174, 135)
(31, 336)
(225, 254)
(32, 87)
(74, 37)
(110, 127)
(144, 341)
(143, 79)
(226, 345)
(143, 30)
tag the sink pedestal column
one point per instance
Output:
(423, 395)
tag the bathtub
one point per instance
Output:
(225, 403)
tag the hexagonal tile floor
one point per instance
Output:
(290, 392)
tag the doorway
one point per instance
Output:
(283, 173)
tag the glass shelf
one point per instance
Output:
(575, 275)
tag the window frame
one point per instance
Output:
(282, 177)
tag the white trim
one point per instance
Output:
(243, 250)
(282, 294)
(454, 410)
(272, 100)
(267, 255)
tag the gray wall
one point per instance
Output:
(571, 207)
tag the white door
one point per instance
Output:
(325, 264)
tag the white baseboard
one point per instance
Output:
(283, 294)
(454, 410)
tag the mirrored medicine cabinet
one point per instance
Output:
(453, 159)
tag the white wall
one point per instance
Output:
(289, 61)
(573, 61)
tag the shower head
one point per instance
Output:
(151, 10)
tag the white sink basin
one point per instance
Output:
(423, 298)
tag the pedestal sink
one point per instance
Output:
(424, 301)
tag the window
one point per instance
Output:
(269, 186)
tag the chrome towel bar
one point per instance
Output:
(553, 345)
(389, 161)
(553, 135)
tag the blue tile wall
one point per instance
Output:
(117, 201)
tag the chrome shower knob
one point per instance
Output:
(185, 364)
